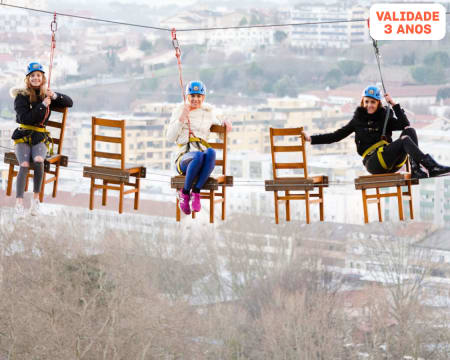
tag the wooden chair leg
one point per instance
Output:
(211, 204)
(104, 193)
(91, 195)
(193, 212)
(41, 193)
(10, 180)
(55, 183)
(411, 207)
(321, 205)
(177, 211)
(275, 194)
(307, 206)
(380, 218)
(121, 198)
(400, 202)
(364, 199)
(136, 194)
(223, 202)
(288, 207)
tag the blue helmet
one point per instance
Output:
(34, 66)
(195, 87)
(372, 92)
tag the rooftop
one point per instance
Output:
(439, 239)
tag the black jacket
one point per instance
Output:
(28, 113)
(368, 128)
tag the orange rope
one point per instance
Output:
(53, 27)
(176, 46)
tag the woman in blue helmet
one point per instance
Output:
(31, 103)
(383, 156)
(189, 128)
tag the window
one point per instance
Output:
(255, 169)
(236, 168)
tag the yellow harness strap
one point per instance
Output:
(177, 163)
(374, 147)
(380, 158)
(403, 162)
(34, 128)
(197, 140)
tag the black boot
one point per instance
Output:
(434, 169)
(416, 171)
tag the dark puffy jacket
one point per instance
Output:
(28, 113)
(368, 128)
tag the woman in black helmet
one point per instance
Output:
(30, 138)
(381, 156)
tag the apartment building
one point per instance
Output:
(328, 35)
(145, 142)
(227, 40)
(19, 21)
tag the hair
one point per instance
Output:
(42, 88)
(379, 102)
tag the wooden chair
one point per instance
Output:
(381, 181)
(213, 183)
(302, 183)
(118, 176)
(51, 163)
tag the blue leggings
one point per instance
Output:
(197, 164)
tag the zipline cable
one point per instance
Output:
(187, 29)
(237, 183)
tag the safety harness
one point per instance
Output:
(194, 140)
(379, 148)
(28, 139)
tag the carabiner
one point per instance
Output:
(54, 24)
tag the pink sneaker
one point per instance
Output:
(184, 202)
(196, 205)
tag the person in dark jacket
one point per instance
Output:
(381, 156)
(30, 138)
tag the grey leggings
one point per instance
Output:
(25, 153)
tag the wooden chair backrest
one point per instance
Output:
(117, 124)
(61, 126)
(297, 132)
(220, 145)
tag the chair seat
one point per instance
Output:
(177, 182)
(114, 174)
(10, 158)
(384, 180)
(295, 183)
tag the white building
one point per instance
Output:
(19, 20)
(328, 35)
(227, 40)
